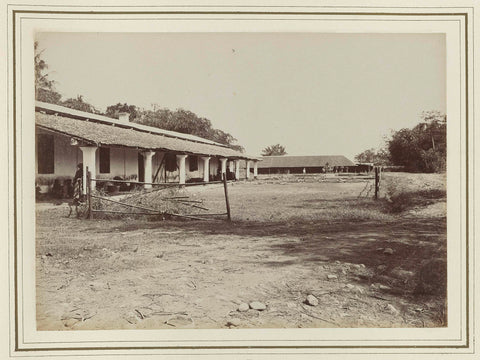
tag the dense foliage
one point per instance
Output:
(274, 150)
(114, 110)
(420, 149)
(376, 157)
(185, 122)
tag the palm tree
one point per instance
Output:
(274, 150)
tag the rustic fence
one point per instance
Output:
(150, 211)
(375, 185)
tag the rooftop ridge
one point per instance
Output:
(105, 119)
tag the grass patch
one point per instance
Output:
(402, 194)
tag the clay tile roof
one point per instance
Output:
(102, 131)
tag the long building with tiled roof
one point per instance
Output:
(118, 148)
(304, 164)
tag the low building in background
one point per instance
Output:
(317, 164)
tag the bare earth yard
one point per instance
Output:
(287, 240)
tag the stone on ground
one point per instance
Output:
(243, 307)
(257, 305)
(312, 300)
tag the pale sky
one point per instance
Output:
(314, 93)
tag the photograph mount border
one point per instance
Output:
(13, 29)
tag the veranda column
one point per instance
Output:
(237, 169)
(248, 169)
(224, 166)
(89, 160)
(181, 168)
(206, 168)
(147, 165)
(255, 169)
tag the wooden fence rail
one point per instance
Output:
(150, 211)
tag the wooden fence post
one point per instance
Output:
(377, 181)
(226, 196)
(89, 194)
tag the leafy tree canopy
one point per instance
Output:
(186, 122)
(373, 156)
(114, 110)
(274, 150)
(80, 104)
(420, 149)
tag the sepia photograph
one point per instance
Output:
(240, 180)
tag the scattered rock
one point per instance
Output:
(48, 254)
(362, 266)
(257, 305)
(384, 287)
(381, 267)
(332, 277)
(402, 274)
(312, 300)
(243, 307)
(388, 251)
(379, 249)
(355, 289)
(234, 322)
(391, 309)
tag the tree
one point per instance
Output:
(186, 122)
(274, 150)
(80, 104)
(379, 157)
(114, 110)
(422, 148)
(44, 87)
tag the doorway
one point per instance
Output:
(141, 168)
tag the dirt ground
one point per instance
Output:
(287, 240)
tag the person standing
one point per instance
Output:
(77, 184)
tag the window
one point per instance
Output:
(45, 154)
(170, 162)
(193, 163)
(104, 160)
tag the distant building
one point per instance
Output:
(305, 164)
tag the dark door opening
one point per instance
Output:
(141, 168)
